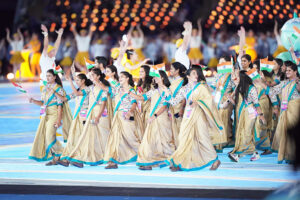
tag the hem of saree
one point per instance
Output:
(219, 127)
(191, 169)
(83, 162)
(149, 164)
(240, 152)
(255, 135)
(46, 154)
(273, 150)
(286, 161)
(262, 148)
(133, 159)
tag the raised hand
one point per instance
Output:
(60, 31)
(44, 28)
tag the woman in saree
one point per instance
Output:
(126, 131)
(52, 112)
(177, 73)
(263, 132)
(81, 96)
(201, 127)
(247, 110)
(289, 112)
(158, 142)
(144, 86)
(90, 145)
(223, 86)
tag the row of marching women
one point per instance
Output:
(134, 112)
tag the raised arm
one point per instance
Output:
(90, 34)
(133, 67)
(7, 35)
(199, 27)
(276, 29)
(73, 29)
(46, 39)
(123, 47)
(130, 31)
(20, 35)
(141, 33)
(187, 34)
(58, 40)
(74, 90)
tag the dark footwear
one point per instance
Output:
(215, 165)
(63, 163)
(145, 168)
(76, 164)
(233, 157)
(112, 166)
(266, 152)
(175, 169)
(52, 162)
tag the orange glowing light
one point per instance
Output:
(171, 13)
(133, 23)
(147, 18)
(219, 9)
(157, 18)
(122, 28)
(167, 18)
(151, 14)
(137, 19)
(235, 12)
(161, 14)
(217, 26)
(143, 14)
(224, 12)
(270, 16)
(86, 7)
(152, 27)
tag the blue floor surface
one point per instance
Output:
(19, 121)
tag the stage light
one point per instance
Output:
(251, 16)
(145, 23)
(10, 76)
(165, 5)
(132, 15)
(219, 9)
(122, 28)
(265, 12)
(98, 3)
(284, 11)
(261, 3)
(227, 8)
(275, 12)
(122, 15)
(126, 19)
(254, 12)
(220, 4)
(229, 21)
(281, 16)
(245, 12)
(64, 20)
(167, 18)
(67, 3)
(73, 15)
(260, 21)
(267, 7)
(224, 12)
(270, 16)
(214, 13)
(133, 23)
(230, 3)
(106, 19)
(292, 2)
(86, 7)
(112, 15)
(174, 9)
(136, 6)
(272, 3)
(101, 28)
(212, 18)
(147, 5)
(151, 14)
(83, 25)
(290, 15)
(147, 18)
(155, 10)
(237, 8)
(143, 14)
(136, 19)
(157, 18)
(260, 16)
(165, 23)
(103, 16)
(171, 13)
(63, 15)
(235, 12)
(221, 17)
(95, 20)
(152, 27)
(231, 17)
(217, 26)
(220, 21)
(281, 3)
(257, 7)
(176, 5)
(125, 24)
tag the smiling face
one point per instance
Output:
(290, 73)
(50, 78)
(193, 77)
(158, 80)
(109, 73)
(245, 64)
(94, 77)
(142, 73)
(173, 71)
(79, 82)
(123, 79)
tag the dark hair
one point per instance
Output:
(128, 75)
(129, 52)
(243, 87)
(148, 79)
(266, 73)
(102, 60)
(114, 70)
(199, 72)
(165, 79)
(226, 58)
(291, 65)
(280, 74)
(248, 57)
(98, 72)
(87, 81)
(180, 67)
(57, 79)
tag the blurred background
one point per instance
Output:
(161, 22)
